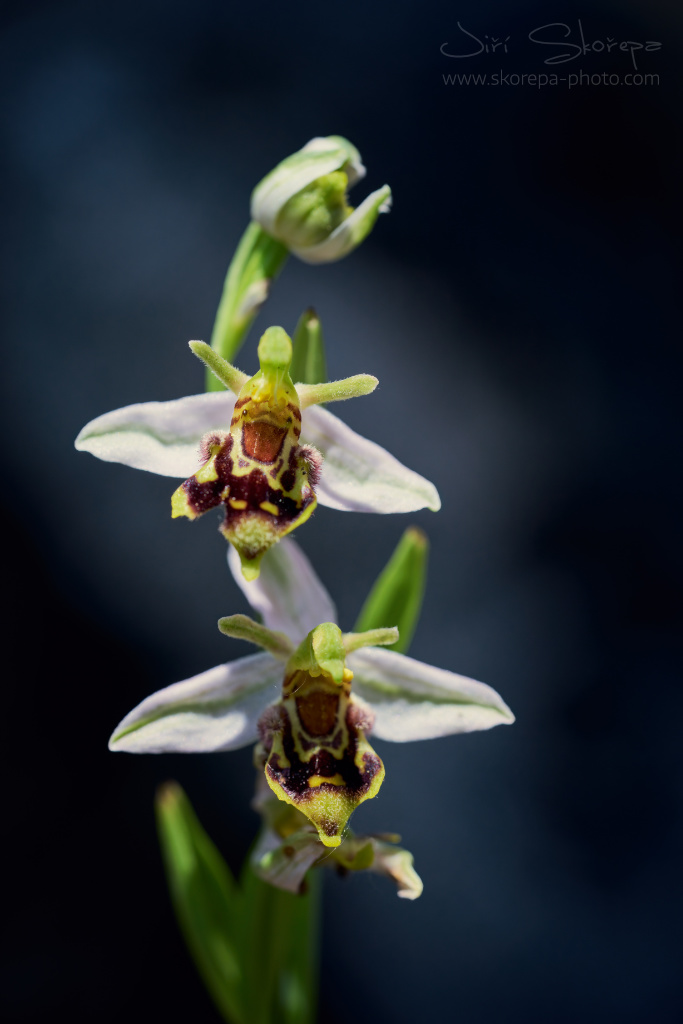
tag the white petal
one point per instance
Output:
(216, 710)
(360, 476)
(351, 232)
(161, 437)
(414, 701)
(288, 594)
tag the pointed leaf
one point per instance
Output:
(398, 591)
(205, 898)
(360, 476)
(216, 710)
(414, 701)
(288, 594)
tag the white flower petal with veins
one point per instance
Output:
(414, 701)
(360, 476)
(216, 710)
(161, 437)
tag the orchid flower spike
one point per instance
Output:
(281, 455)
(302, 202)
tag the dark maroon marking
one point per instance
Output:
(203, 497)
(263, 441)
(242, 401)
(294, 411)
(254, 488)
(336, 739)
(288, 478)
(242, 463)
(294, 779)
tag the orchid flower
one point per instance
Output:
(296, 699)
(267, 481)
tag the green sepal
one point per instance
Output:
(205, 899)
(399, 589)
(242, 627)
(258, 260)
(309, 365)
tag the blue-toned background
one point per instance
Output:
(521, 308)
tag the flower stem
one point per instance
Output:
(256, 263)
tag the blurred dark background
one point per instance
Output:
(521, 308)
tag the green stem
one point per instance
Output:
(281, 961)
(258, 260)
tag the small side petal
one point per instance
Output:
(351, 232)
(161, 437)
(288, 594)
(360, 476)
(216, 710)
(414, 701)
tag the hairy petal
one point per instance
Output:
(288, 594)
(414, 701)
(360, 476)
(216, 710)
(161, 437)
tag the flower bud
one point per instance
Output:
(302, 203)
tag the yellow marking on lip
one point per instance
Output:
(268, 506)
(318, 780)
(207, 473)
(237, 503)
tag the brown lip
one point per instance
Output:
(262, 440)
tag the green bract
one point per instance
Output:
(302, 203)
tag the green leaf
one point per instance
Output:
(308, 363)
(256, 263)
(255, 946)
(280, 950)
(205, 898)
(396, 597)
